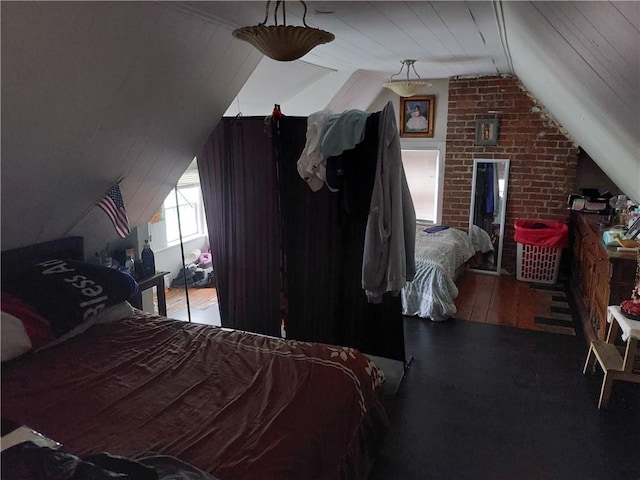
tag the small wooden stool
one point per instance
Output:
(617, 363)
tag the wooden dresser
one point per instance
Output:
(601, 275)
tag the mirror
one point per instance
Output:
(487, 213)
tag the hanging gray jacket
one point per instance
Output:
(389, 246)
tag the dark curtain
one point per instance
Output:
(311, 242)
(238, 179)
(254, 199)
(323, 240)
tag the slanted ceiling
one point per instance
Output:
(582, 61)
(96, 91)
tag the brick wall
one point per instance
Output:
(543, 159)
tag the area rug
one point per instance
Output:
(553, 313)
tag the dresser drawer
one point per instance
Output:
(601, 275)
(591, 246)
(583, 228)
(601, 290)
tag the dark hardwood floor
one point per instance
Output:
(485, 400)
(498, 392)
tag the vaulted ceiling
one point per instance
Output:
(97, 91)
(579, 59)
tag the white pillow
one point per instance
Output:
(114, 313)
(109, 314)
(14, 339)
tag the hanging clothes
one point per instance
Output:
(483, 207)
(323, 235)
(490, 204)
(343, 132)
(312, 165)
(328, 136)
(389, 250)
(375, 328)
(389, 246)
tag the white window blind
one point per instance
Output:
(191, 177)
(421, 169)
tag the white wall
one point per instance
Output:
(600, 111)
(440, 89)
(96, 91)
(169, 259)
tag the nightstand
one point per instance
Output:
(157, 281)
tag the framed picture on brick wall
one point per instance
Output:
(487, 131)
(416, 116)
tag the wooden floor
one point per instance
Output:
(503, 300)
(482, 298)
(199, 298)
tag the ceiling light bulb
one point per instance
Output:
(407, 87)
(284, 42)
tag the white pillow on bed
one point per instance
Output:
(108, 315)
(14, 339)
(114, 313)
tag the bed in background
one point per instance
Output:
(234, 404)
(484, 247)
(439, 258)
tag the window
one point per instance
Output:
(164, 226)
(190, 204)
(422, 168)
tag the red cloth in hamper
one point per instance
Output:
(542, 233)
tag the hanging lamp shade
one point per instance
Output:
(284, 42)
(407, 87)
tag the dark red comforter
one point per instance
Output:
(238, 405)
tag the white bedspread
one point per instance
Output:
(431, 294)
(481, 240)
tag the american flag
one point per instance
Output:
(113, 206)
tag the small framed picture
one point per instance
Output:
(416, 116)
(487, 131)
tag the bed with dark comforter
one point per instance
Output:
(234, 404)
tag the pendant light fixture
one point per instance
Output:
(410, 86)
(284, 42)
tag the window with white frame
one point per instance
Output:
(164, 226)
(422, 168)
(189, 202)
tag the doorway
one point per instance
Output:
(181, 247)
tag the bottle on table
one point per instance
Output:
(148, 260)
